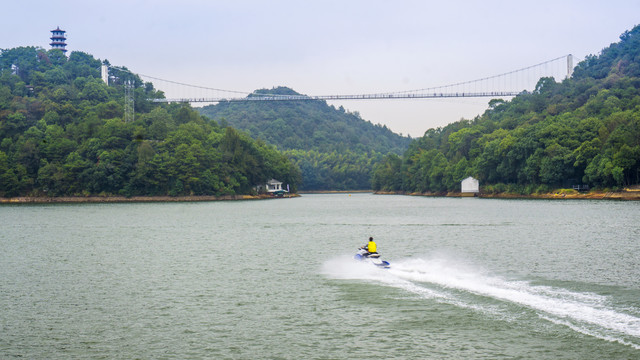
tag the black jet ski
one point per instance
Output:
(374, 258)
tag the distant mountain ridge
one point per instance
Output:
(305, 125)
(335, 149)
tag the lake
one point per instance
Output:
(275, 279)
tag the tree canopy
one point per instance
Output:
(62, 132)
(335, 149)
(584, 130)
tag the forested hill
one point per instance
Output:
(581, 131)
(306, 125)
(63, 132)
(335, 149)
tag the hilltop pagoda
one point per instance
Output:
(58, 39)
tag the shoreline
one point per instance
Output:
(627, 195)
(132, 199)
(334, 191)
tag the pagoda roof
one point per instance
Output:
(58, 29)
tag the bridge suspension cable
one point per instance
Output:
(494, 76)
(507, 84)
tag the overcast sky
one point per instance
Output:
(328, 47)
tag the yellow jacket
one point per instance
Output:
(372, 247)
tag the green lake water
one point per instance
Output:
(275, 279)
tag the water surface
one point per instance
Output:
(470, 278)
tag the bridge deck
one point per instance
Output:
(343, 97)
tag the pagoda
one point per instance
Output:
(57, 39)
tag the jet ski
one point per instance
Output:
(374, 258)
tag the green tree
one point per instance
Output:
(95, 91)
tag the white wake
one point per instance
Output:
(443, 279)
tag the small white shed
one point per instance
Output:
(274, 185)
(470, 185)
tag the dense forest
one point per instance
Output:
(62, 132)
(335, 149)
(584, 130)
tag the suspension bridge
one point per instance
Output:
(507, 84)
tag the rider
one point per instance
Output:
(371, 247)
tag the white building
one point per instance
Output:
(470, 186)
(274, 187)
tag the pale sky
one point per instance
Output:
(328, 47)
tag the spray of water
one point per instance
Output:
(445, 279)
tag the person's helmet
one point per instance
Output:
(371, 238)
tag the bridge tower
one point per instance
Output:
(569, 65)
(58, 39)
(104, 72)
(129, 102)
